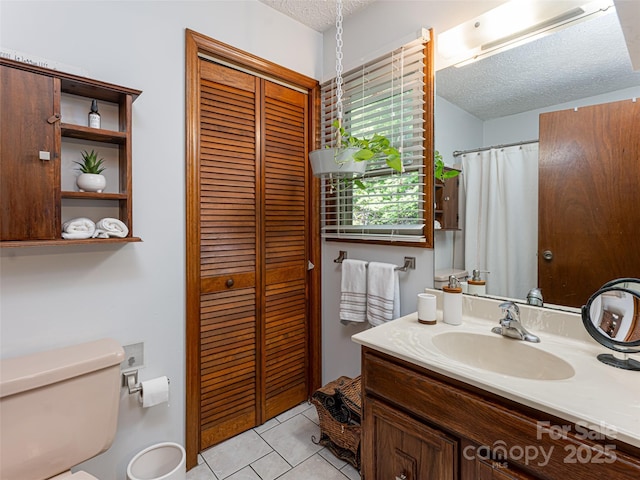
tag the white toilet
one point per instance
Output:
(58, 409)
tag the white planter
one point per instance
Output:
(91, 182)
(337, 162)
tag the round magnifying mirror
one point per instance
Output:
(612, 318)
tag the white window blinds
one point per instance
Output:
(384, 96)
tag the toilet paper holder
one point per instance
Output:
(130, 380)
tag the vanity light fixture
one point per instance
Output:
(510, 25)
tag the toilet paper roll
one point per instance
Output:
(154, 392)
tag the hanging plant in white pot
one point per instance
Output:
(347, 158)
(91, 178)
(335, 161)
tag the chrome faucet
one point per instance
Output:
(534, 297)
(510, 325)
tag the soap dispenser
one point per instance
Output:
(452, 304)
(477, 286)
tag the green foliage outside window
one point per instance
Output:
(384, 202)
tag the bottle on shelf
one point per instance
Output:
(94, 116)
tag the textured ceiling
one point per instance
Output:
(584, 60)
(580, 61)
(317, 14)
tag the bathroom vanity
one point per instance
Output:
(444, 402)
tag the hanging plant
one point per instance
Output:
(344, 159)
(372, 148)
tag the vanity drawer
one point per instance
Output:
(496, 427)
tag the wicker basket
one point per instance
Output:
(339, 410)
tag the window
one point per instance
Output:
(388, 96)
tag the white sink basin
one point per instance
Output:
(502, 355)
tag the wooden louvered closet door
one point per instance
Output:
(253, 240)
(285, 220)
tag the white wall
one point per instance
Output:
(57, 296)
(374, 31)
(387, 24)
(340, 356)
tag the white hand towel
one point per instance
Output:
(383, 293)
(78, 228)
(353, 292)
(112, 227)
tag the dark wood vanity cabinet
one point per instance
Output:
(419, 425)
(405, 448)
(486, 467)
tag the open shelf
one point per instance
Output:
(93, 134)
(62, 241)
(94, 195)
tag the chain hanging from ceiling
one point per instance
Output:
(339, 80)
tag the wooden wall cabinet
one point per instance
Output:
(33, 134)
(446, 199)
(419, 425)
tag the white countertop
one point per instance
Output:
(598, 396)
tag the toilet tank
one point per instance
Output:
(58, 408)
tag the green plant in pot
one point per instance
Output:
(347, 159)
(91, 178)
(375, 147)
(439, 168)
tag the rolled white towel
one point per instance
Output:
(78, 228)
(112, 227)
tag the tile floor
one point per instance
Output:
(280, 449)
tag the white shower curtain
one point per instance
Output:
(501, 217)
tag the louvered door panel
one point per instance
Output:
(285, 216)
(228, 364)
(228, 257)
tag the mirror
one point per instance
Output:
(539, 87)
(612, 318)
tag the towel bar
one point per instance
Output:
(409, 262)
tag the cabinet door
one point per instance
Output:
(477, 464)
(450, 203)
(29, 185)
(397, 447)
(446, 199)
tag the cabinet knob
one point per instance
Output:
(230, 283)
(547, 255)
(402, 477)
(44, 156)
